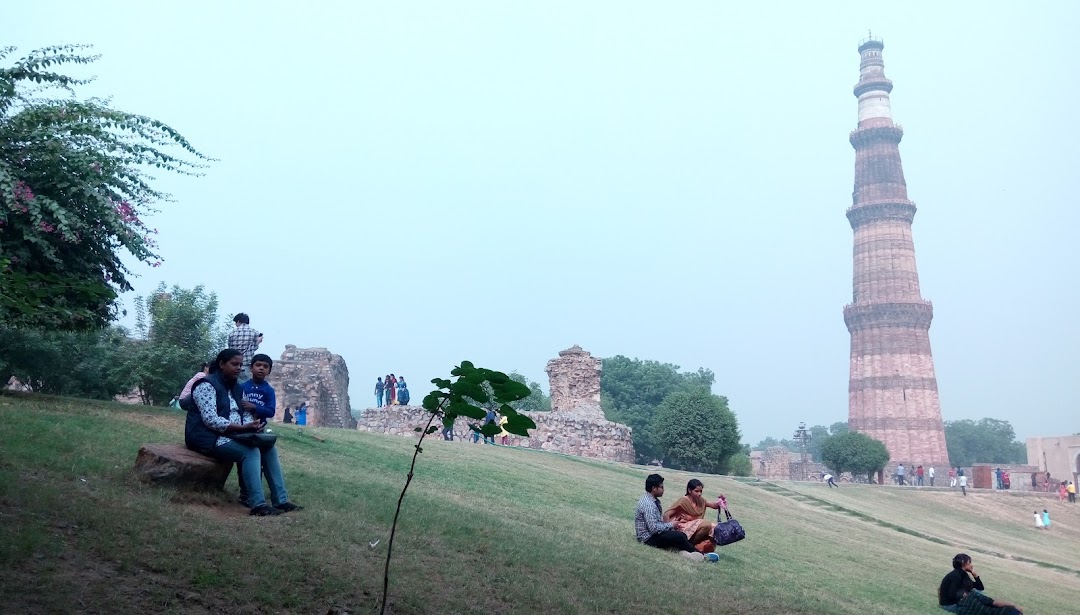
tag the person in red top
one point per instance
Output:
(919, 475)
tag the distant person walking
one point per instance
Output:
(952, 478)
(378, 392)
(1063, 492)
(1071, 490)
(1046, 518)
(900, 474)
(930, 473)
(828, 478)
(963, 483)
(301, 414)
(1038, 521)
(288, 416)
(246, 340)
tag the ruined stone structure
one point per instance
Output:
(892, 392)
(574, 379)
(315, 376)
(1059, 455)
(575, 425)
(779, 463)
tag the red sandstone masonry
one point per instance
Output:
(892, 391)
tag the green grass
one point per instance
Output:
(484, 530)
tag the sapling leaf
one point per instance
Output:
(432, 401)
(464, 409)
(519, 424)
(432, 429)
(471, 390)
(417, 428)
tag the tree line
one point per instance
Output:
(968, 442)
(176, 330)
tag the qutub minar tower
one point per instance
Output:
(892, 392)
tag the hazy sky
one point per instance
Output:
(413, 184)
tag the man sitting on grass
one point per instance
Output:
(651, 529)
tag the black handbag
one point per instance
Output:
(727, 532)
(262, 440)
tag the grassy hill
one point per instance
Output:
(484, 530)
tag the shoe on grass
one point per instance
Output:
(712, 557)
(693, 555)
(288, 507)
(265, 510)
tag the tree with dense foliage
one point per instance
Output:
(177, 330)
(838, 428)
(984, 441)
(741, 465)
(631, 391)
(537, 401)
(854, 452)
(770, 442)
(73, 363)
(75, 186)
(695, 431)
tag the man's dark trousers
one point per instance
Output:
(670, 539)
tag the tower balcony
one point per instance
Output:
(871, 135)
(864, 213)
(874, 83)
(916, 314)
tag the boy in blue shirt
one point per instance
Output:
(262, 402)
(259, 399)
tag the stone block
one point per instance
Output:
(176, 465)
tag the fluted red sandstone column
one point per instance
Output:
(892, 392)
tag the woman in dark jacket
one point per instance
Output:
(215, 410)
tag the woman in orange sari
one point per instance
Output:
(688, 515)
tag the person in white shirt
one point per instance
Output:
(963, 484)
(828, 478)
(931, 475)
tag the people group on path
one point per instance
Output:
(391, 390)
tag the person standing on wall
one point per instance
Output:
(378, 392)
(246, 340)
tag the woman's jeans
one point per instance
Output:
(251, 462)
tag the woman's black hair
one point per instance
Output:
(959, 560)
(693, 484)
(223, 357)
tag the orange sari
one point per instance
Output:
(688, 516)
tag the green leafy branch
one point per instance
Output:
(463, 397)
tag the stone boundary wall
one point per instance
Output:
(563, 432)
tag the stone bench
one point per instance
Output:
(176, 465)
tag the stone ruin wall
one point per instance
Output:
(563, 433)
(320, 378)
(575, 425)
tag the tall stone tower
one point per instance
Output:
(892, 392)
